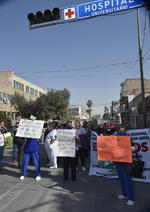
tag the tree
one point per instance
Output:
(58, 101)
(51, 106)
(5, 119)
(106, 114)
(89, 104)
(21, 105)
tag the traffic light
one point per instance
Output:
(46, 16)
(147, 3)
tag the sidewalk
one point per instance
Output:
(52, 194)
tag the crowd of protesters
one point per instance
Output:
(25, 149)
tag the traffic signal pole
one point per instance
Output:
(141, 73)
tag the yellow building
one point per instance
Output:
(9, 84)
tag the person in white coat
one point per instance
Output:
(50, 145)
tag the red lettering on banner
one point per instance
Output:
(143, 147)
(95, 146)
(138, 147)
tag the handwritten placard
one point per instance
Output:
(114, 148)
(29, 128)
(65, 143)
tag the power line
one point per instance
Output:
(82, 68)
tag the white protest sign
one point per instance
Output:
(65, 143)
(30, 129)
(141, 141)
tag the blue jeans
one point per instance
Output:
(1, 154)
(26, 159)
(125, 181)
(14, 152)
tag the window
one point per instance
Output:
(4, 95)
(27, 89)
(8, 96)
(22, 87)
(31, 91)
(18, 85)
(1, 96)
(36, 93)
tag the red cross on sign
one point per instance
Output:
(69, 13)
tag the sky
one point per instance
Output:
(91, 58)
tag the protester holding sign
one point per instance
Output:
(31, 130)
(31, 149)
(125, 180)
(69, 161)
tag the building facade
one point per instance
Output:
(77, 112)
(133, 87)
(11, 84)
(130, 99)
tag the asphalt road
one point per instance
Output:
(52, 194)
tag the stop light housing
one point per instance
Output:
(147, 3)
(46, 16)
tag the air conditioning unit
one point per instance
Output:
(5, 100)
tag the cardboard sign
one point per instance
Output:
(30, 129)
(65, 143)
(114, 148)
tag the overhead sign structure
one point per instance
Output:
(97, 8)
(82, 11)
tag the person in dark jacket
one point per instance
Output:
(81, 134)
(69, 161)
(31, 149)
(19, 141)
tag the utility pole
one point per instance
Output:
(141, 73)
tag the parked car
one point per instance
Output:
(108, 126)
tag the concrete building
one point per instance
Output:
(133, 87)
(115, 112)
(130, 99)
(77, 112)
(11, 83)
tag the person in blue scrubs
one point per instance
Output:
(127, 190)
(31, 149)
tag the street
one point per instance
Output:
(52, 194)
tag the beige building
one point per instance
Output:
(130, 98)
(77, 112)
(11, 83)
(133, 87)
